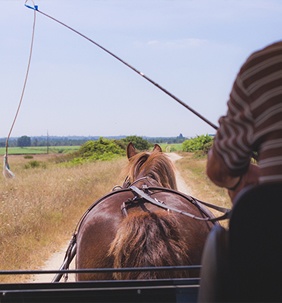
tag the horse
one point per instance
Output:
(126, 229)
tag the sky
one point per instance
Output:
(192, 48)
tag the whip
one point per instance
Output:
(6, 168)
(35, 8)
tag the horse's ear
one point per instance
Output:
(130, 151)
(157, 148)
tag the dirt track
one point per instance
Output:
(55, 261)
(181, 185)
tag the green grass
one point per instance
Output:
(171, 147)
(35, 150)
(38, 150)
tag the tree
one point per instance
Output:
(24, 141)
(139, 143)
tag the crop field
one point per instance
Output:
(35, 150)
(38, 150)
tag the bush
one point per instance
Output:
(199, 143)
(207, 146)
(102, 149)
(34, 164)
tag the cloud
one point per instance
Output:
(180, 43)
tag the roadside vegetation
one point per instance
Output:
(40, 207)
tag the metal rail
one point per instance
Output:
(98, 270)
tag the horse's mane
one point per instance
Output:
(155, 165)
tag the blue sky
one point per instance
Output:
(193, 48)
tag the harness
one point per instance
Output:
(142, 195)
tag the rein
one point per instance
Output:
(145, 194)
(141, 193)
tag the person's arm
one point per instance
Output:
(251, 177)
(220, 174)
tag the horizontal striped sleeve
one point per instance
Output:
(254, 118)
(232, 140)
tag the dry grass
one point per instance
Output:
(41, 207)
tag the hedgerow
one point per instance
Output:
(199, 143)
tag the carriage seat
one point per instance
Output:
(244, 263)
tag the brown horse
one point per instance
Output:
(124, 229)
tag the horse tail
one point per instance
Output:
(149, 239)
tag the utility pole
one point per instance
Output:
(47, 142)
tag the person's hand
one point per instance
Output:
(249, 178)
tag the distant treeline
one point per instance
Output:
(77, 140)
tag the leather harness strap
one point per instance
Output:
(141, 193)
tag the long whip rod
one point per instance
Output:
(128, 65)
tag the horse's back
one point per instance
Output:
(96, 231)
(99, 228)
(194, 231)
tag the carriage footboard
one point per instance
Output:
(172, 290)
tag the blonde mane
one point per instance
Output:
(155, 165)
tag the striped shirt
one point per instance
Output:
(254, 117)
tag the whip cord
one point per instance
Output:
(128, 65)
(6, 169)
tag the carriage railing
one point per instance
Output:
(176, 290)
(171, 290)
(97, 270)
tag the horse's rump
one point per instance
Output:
(149, 239)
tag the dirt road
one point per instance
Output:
(181, 185)
(55, 261)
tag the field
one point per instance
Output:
(171, 147)
(38, 150)
(41, 206)
(66, 149)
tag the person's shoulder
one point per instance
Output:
(263, 55)
(267, 51)
(273, 46)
